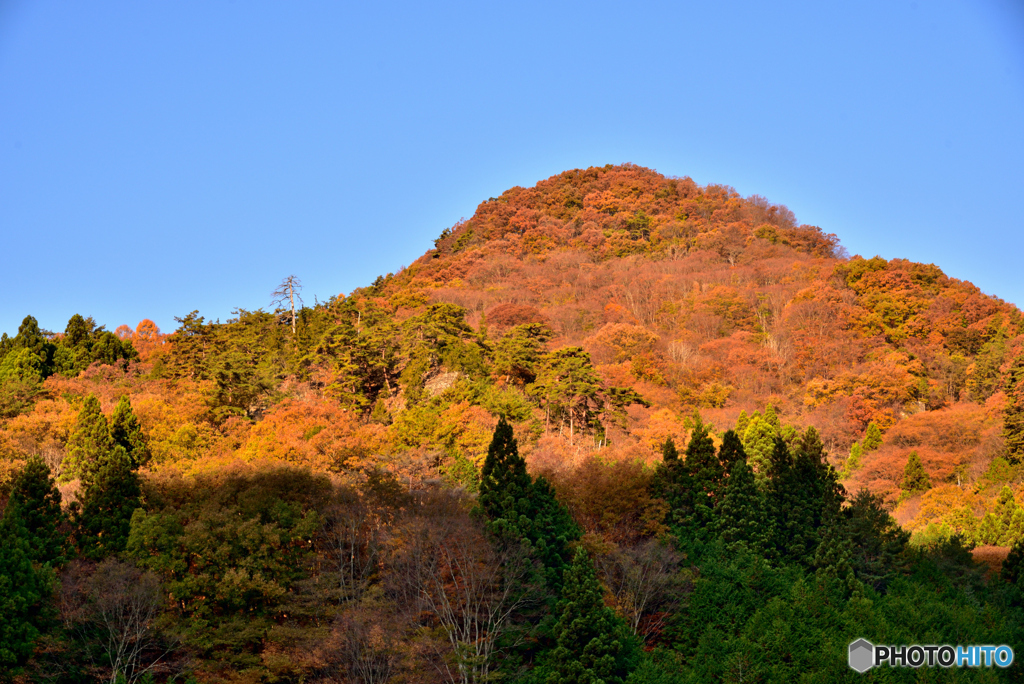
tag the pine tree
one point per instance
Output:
(915, 479)
(126, 431)
(593, 644)
(741, 515)
(36, 500)
(108, 501)
(772, 418)
(872, 438)
(990, 531)
(89, 444)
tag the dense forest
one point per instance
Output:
(617, 427)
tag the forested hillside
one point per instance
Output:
(662, 411)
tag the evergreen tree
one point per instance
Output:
(519, 509)
(772, 418)
(740, 518)
(759, 442)
(669, 451)
(990, 531)
(126, 432)
(706, 475)
(832, 558)
(794, 503)
(872, 438)
(853, 461)
(731, 451)
(109, 499)
(89, 444)
(915, 479)
(1013, 412)
(742, 423)
(35, 500)
(25, 589)
(593, 644)
(1013, 567)
(878, 542)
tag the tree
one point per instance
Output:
(126, 432)
(706, 473)
(519, 509)
(915, 478)
(288, 291)
(568, 387)
(518, 352)
(669, 451)
(109, 499)
(1013, 412)
(89, 444)
(25, 588)
(731, 450)
(35, 500)
(877, 540)
(593, 645)
(872, 438)
(740, 519)
(758, 442)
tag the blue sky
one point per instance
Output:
(161, 157)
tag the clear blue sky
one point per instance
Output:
(160, 157)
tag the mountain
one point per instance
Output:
(598, 310)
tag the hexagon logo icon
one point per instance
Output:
(862, 655)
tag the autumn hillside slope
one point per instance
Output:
(598, 311)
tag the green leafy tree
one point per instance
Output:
(669, 451)
(853, 461)
(593, 645)
(758, 443)
(915, 479)
(125, 431)
(706, 475)
(36, 502)
(21, 378)
(742, 423)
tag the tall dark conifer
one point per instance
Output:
(593, 644)
(740, 518)
(126, 432)
(36, 500)
(109, 499)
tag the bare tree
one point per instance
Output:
(471, 587)
(286, 293)
(647, 583)
(119, 604)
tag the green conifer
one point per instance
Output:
(126, 431)
(593, 644)
(89, 444)
(669, 451)
(741, 515)
(742, 423)
(758, 442)
(990, 531)
(731, 451)
(25, 589)
(109, 499)
(36, 500)
(705, 470)
(853, 461)
(872, 438)
(915, 478)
